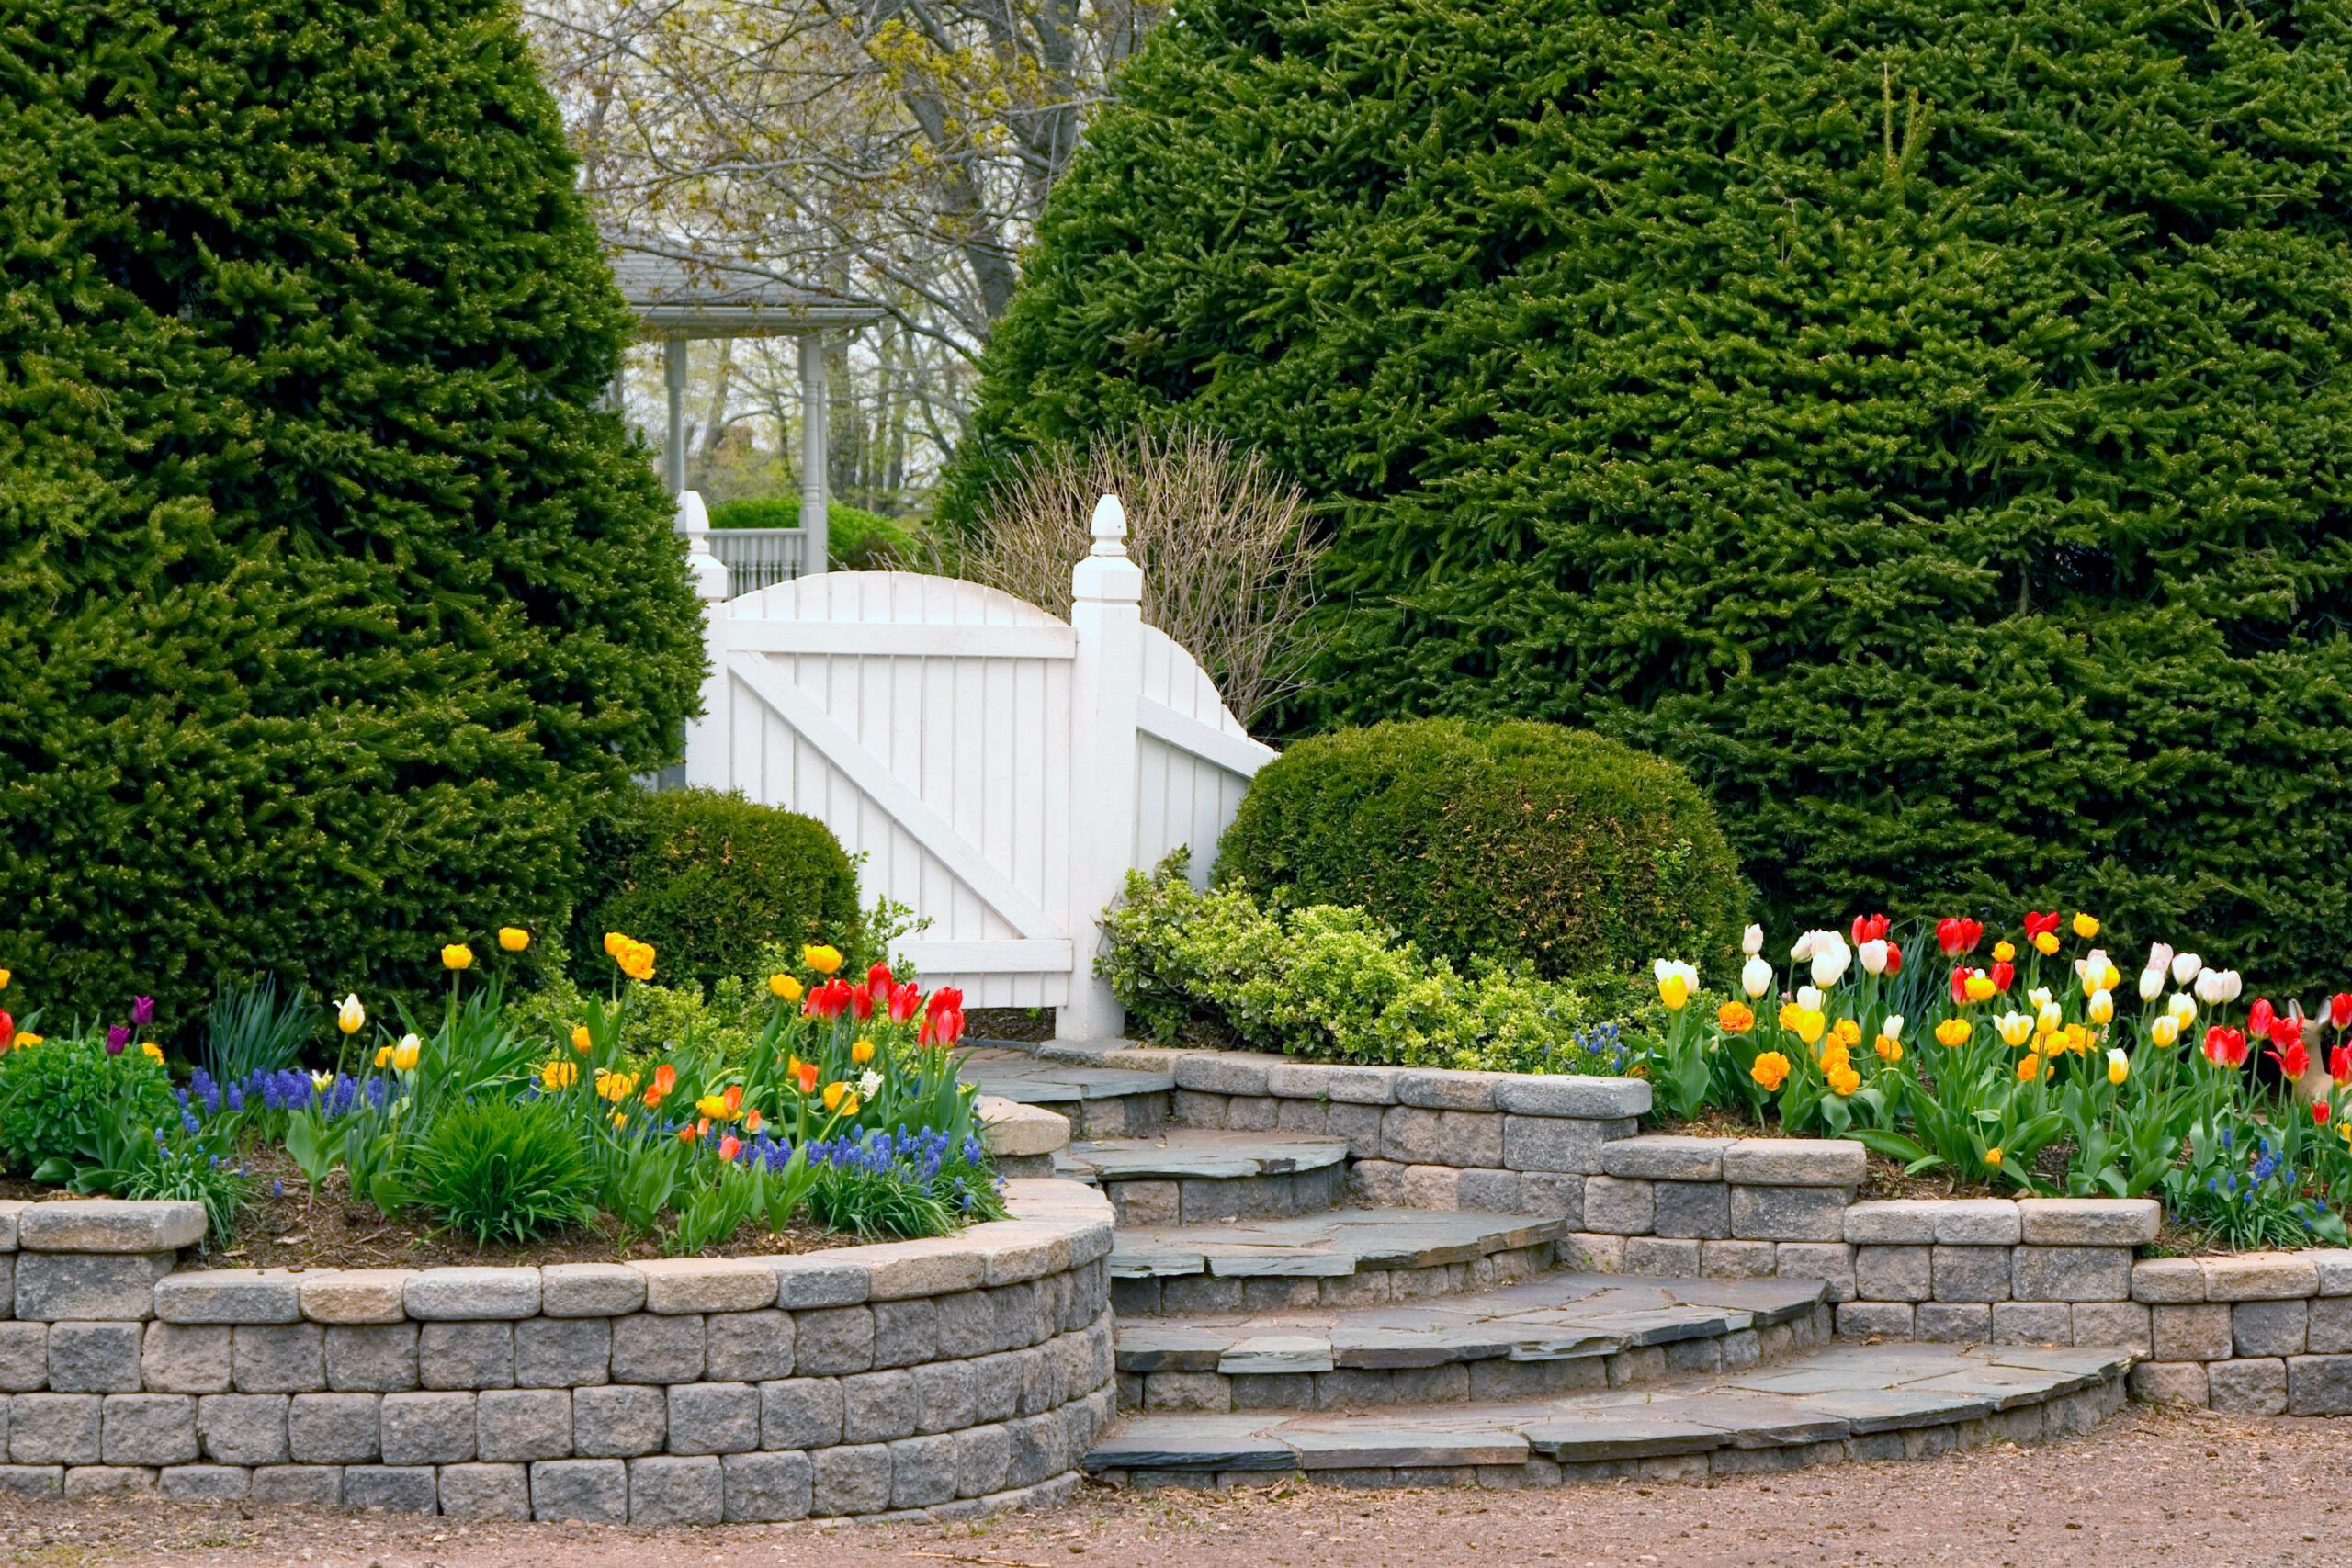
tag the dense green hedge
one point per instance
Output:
(1925, 421)
(334, 601)
(1513, 841)
(856, 539)
(710, 879)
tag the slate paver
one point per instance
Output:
(1201, 1154)
(1335, 1243)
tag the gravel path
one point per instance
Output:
(2180, 1490)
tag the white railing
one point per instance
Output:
(760, 558)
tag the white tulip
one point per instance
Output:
(2185, 967)
(2181, 1010)
(2152, 981)
(2160, 955)
(2039, 997)
(1756, 977)
(1809, 998)
(1893, 1027)
(2053, 1018)
(1830, 957)
(1802, 949)
(1751, 942)
(1873, 957)
(2232, 984)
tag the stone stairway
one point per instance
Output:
(1271, 1317)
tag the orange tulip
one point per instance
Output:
(728, 1146)
(807, 1076)
(733, 1098)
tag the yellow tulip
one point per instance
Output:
(2119, 1067)
(635, 958)
(1844, 1081)
(1810, 1023)
(849, 1106)
(1789, 1013)
(1769, 1069)
(351, 1016)
(2004, 953)
(862, 1052)
(711, 1105)
(1980, 987)
(833, 1093)
(620, 1118)
(1992, 1156)
(513, 939)
(456, 955)
(1673, 992)
(2165, 1031)
(784, 987)
(824, 959)
(2102, 1007)
(579, 1038)
(2086, 927)
(24, 1040)
(6, 975)
(406, 1054)
(1846, 1031)
(1952, 1032)
(614, 942)
(151, 1050)
(2014, 1028)
(2046, 944)
(1735, 1018)
(557, 1074)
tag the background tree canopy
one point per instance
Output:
(1927, 422)
(331, 603)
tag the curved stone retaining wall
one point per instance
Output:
(939, 1379)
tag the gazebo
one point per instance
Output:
(680, 298)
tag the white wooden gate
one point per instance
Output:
(999, 769)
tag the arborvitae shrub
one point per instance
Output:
(1500, 841)
(332, 602)
(710, 879)
(1924, 421)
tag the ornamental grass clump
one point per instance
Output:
(504, 1172)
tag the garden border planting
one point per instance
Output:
(939, 1379)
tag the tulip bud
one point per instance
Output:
(1751, 942)
(1893, 1027)
(2119, 1067)
(1802, 949)
(2102, 1006)
(2159, 956)
(2050, 1020)
(1874, 956)
(2186, 967)
(2165, 1031)
(2039, 997)
(2232, 984)
(2152, 981)
(1809, 998)
(1830, 957)
(2182, 1009)
(2209, 988)
(1756, 977)
(351, 1017)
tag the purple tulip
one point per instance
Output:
(142, 1011)
(117, 1040)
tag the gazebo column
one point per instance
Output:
(673, 444)
(812, 452)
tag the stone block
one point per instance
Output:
(1696, 1209)
(1737, 1260)
(206, 1483)
(9, 1209)
(519, 1424)
(1911, 1222)
(355, 1296)
(1556, 1195)
(394, 1489)
(277, 1357)
(1785, 1213)
(581, 1491)
(561, 1352)
(2071, 1273)
(1793, 1162)
(714, 1417)
(230, 1295)
(54, 1287)
(1903, 1273)
(53, 1428)
(109, 1481)
(967, 1324)
(1412, 1135)
(2270, 1328)
(2331, 1325)
(1668, 1256)
(2194, 1333)
(1615, 1206)
(2123, 1324)
(678, 1285)
(1497, 1192)
(1360, 1124)
(148, 1429)
(1224, 1072)
(1659, 1156)
(110, 1224)
(1556, 1144)
(851, 1480)
(32, 1480)
(650, 1347)
(983, 1461)
(620, 1420)
(372, 1358)
(2090, 1221)
(465, 1355)
(176, 1358)
(1971, 1273)
(447, 1294)
(297, 1485)
(877, 1406)
(2254, 1387)
(762, 1488)
(486, 1491)
(667, 1489)
(1377, 1183)
(2260, 1276)
(2170, 1383)
(334, 1428)
(1953, 1322)
(94, 1358)
(923, 1471)
(905, 1332)
(2319, 1386)
(591, 1290)
(1575, 1095)
(24, 1357)
(2168, 1281)
(243, 1429)
(833, 1340)
(1829, 1261)
(1432, 1187)
(1875, 1320)
(946, 1396)
(1447, 1090)
(2033, 1323)
(428, 1429)
(805, 1413)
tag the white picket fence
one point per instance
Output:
(999, 769)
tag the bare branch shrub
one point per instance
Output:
(1225, 544)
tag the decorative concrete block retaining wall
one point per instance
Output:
(939, 1379)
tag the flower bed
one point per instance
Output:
(941, 1378)
(843, 1112)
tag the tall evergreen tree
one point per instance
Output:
(331, 600)
(1926, 420)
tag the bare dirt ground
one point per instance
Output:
(2151, 1488)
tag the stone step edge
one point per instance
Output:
(1325, 1151)
(1528, 1230)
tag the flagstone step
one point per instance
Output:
(1843, 1402)
(1200, 1174)
(1101, 1102)
(1554, 1334)
(1339, 1257)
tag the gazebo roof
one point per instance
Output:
(678, 295)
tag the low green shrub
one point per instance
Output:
(856, 539)
(712, 880)
(61, 1100)
(505, 1171)
(1517, 840)
(1334, 984)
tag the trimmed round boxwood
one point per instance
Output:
(1518, 839)
(710, 879)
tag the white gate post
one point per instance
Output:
(708, 736)
(1107, 679)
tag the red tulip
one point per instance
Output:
(1960, 974)
(1956, 934)
(730, 1146)
(1894, 959)
(905, 1001)
(2002, 973)
(828, 1001)
(7, 1030)
(2339, 1010)
(943, 1028)
(944, 999)
(2037, 923)
(2339, 1064)
(2319, 1113)
(2294, 1060)
(2225, 1048)
(2258, 1017)
(861, 1004)
(1869, 928)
